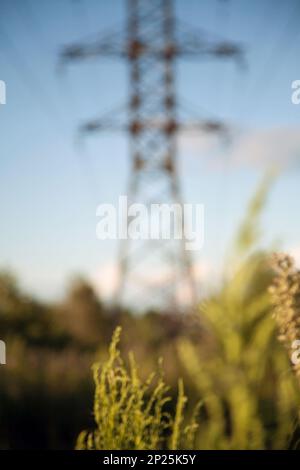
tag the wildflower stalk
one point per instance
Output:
(181, 401)
(130, 414)
(285, 293)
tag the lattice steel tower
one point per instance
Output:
(159, 271)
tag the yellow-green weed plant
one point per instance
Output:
(239, 370)
(131, 414)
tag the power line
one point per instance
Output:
(38, 38)
(33, 27)
(28, 78)
(83, 156)
(262, 83)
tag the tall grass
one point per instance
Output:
(131, 414)
(240, 371)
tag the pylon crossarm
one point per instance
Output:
(201, 43)
(114, 120)
(111, 45)
(207, 126)
(98, 125)
(197, 47)
(191, 121)
(117, 125)
(188, 45)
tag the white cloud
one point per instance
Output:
(105, 279)
(279, 148)
(295, 253)
(274, 147)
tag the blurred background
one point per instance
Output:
(57, 280)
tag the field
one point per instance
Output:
(218, 379)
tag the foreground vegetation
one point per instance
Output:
(242, 392)
(130, 414)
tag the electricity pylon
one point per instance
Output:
(160, 271)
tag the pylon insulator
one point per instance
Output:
(138, 163)
(135, 127)
(135, 49)
(169, 165)
(213, 126)
(135, 101)
(171, 127)
(170, 51)
(170, 102)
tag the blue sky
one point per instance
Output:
(50, 186)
